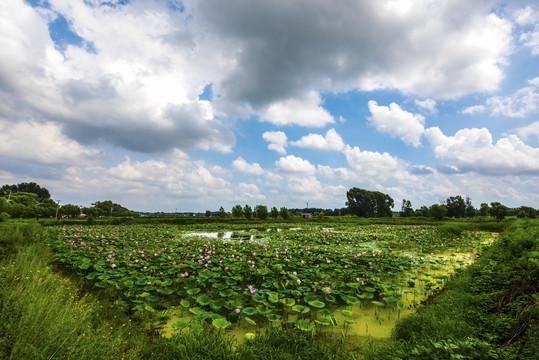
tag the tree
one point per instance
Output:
(108, 208)
(31, 187)
(47, 208)
(484, 209)
(237, 211)
(248, 211)
(437, 211)
(365, 203)
(70, 210)
(527, 212)
(261, 212)
(285, 214)
(470, 210)
(208, 213)
(406, 209)
(274, 212)
(221, 213)
(497, 210)
(423, 211)
(456, 207)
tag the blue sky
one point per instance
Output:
(191, 105)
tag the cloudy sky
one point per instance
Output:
(165, 105)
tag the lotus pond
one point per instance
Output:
(352, 280)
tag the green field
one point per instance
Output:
(333, 290)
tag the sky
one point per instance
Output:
(168, 105)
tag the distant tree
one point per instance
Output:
(248, 211)
(31, 187)
(423, 211)
(456, 207)
(222, 213)
(261, 212)
(109, 208)
(365, 203)
(406, 209)
(70, 210)
(47, 208)
(484, 209)
(437, 211)
(24, 198)
(285, 214)
(470, 210)
(237, 211)
(274, 212)
(208, 213)
(497, 210)
(527, 212)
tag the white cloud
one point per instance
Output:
(247, 192)
(277, 140)
(42, 143)
(525, 17)
(427, 105)
(243, 166)
(396, 122)
(523, 102)
(376, 168)
(474, 109)
(331, 142)
(530, 130)
(294, 165)
(304, 111)
(473, 150)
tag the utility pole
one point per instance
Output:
(57, 207)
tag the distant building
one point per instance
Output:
(307, 215)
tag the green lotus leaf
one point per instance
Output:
(317, 304)
(250, 321)
(180, 324)
(320, 322)
(204, 299)
(249, 311)
(221, 323)
(301, 309)
(193, 291)
(274, 318)
(378, 303)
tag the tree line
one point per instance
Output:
(26, 200)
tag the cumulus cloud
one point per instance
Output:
(243, 166)
(294, 165)
(525, 17)
(427, 105)
(304, 111)
(415, 50)
(522, 103)
(396, 122)
(277, 140)
(530, 130)
(247, 192)
(474, 109)
(42, 143)
(376, 168)
(136, 90)
(331, 142)
(473, 150)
